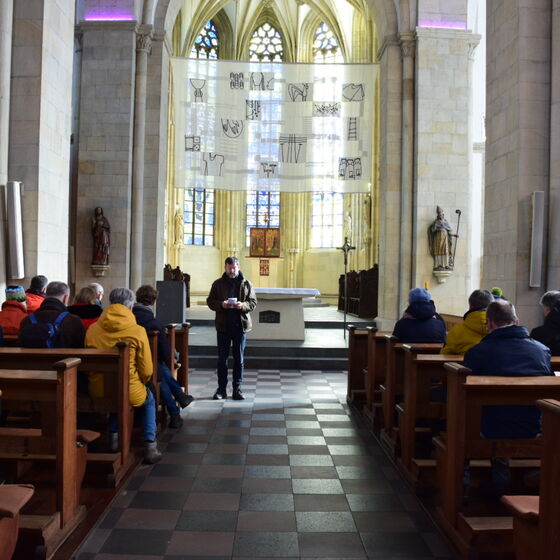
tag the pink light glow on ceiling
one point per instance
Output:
(444, 24)
(107, 15)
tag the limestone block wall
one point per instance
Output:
(447, 13)
(40, 124)
(105, 145)
(442, 157)
(517, 143)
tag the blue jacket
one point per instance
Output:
(421, 324)
(509, 352)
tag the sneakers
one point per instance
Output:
(175, 421)
(238, 395)
(151, 453)
(220, 395)
(184, 400)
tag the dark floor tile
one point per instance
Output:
(186, 447)
(267, 486)
(325, 522)
(385, 544)
(183, 459)
(390, 521)
(353, 486)
(149, 519)
(259, 521)
(212, 501)
(223, 459)
(222, 521)
(175, 469)
(159, 500)
(268, 440)
(217, 485)
(308, 450)
(142, 541)
(111, 517)
(374, 502)
(199, 543)
(257, 459)
(225, 438)
(266, 544)
(167, 484)
(355, 460)
(221, 471)
(264, 449)
(330, 545)
(320, 502)
(359, 472)
(266, 502)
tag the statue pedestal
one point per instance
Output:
(442, 275)
(100, 269)
(171, 302)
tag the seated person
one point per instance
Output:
(473, 328)
(420, 322)
(99, 292)
(549, 333)
(170, 389)
(14, 309)
(36, 292)
(508, 351)
(118, 324)
(85, 306)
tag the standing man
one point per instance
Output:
(232, 297)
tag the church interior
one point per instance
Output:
(433, 167)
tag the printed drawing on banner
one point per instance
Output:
(352, 128)
(268, 169)
(253, 110)
(293, 148)
(212, 164)
(232, 127)
(349, 168)
(199, 90)
(300, 92)
(262, 81)
(236, 80)
(353, 92)
(192, 143)
(326, 109)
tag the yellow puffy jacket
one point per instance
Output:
(466, 335)
(118, 324)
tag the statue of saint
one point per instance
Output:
(178, 227)
(441, 242)
(101, 232)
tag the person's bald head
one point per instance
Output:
(501, 313)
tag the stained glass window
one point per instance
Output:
(263, 210)
(325, 46)
(198, 216)
(266, 44)
(207, 43)
(327, 214)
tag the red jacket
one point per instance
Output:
(34, 301)
(11, 315)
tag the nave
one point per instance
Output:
(289, 472)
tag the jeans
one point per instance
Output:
(236, 339)
(148, 411)
(169, 388)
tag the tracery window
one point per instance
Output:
(206, 45)
(325, 46)
(266, 44)
(327, 214)
(198, 216)
(263, 210)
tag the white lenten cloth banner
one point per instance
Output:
(273, 127)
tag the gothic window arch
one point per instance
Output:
(198, 216)
(326, 47)
(207, 43)
(266, 44)
(263, 210)
(326, 220)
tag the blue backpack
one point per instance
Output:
(36, 334)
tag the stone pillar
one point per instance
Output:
(40, 126)
(143, 48)
(294, 220)
(518, 127)
(390, 181)
(105, 153)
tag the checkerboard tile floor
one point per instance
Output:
(287, 473)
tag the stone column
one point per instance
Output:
(294, 220)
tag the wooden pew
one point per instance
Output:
(179, 340)
(394, 386)
(486, 536)
(536, 518)
(53, 438)
(357, 362)
(420, 371)
(374, 375)
(113, 364)
(12, 498)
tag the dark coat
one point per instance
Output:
(72, 330)
(549, 333)
(421, 324)
(145, 318)
(88, 313)
(220, 291)
(509, 352)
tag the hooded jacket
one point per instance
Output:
(549, 333)
(34, 300)
(118, 324)
(509, 352)
(145, 318)
(12, 314)
(420, 323)
(464, 336)
(219, 292)
(88, 313)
